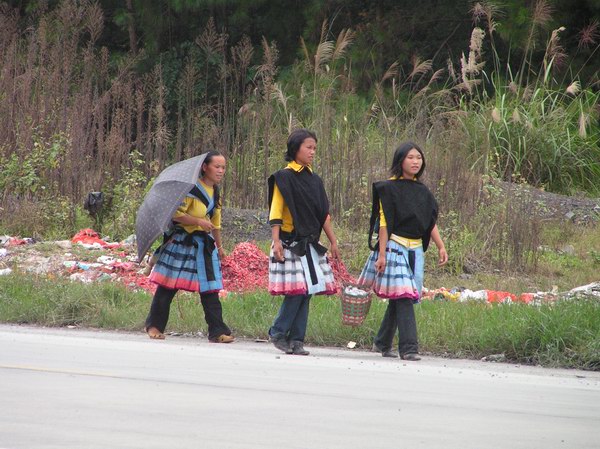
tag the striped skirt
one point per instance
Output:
(403, 274)
(289, 277)
(182, 266)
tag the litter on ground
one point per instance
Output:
(244, 269)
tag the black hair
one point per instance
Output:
(217, 194)
(399, 156)
(295, 140)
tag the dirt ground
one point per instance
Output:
(554, 207)
(241, 225)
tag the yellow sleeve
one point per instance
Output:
(216, 218)
(183, 208)
(382, 222)
(277, 203)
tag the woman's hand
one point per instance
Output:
(335, 252)
(206, 224)
(380, 264)
(443, 256)
(278, 250)
(221, 253)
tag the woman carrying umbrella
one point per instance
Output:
(189, 258)
(299, 210)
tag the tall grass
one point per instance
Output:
(75, 122)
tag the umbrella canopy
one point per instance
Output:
(162, 200)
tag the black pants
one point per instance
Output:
(213, 312)
(399, 314)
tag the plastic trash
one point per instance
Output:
(469, 295)
(526, 297)
(494, 296)
(592, 289)
(64, 244)
(107, 260)
(82, 277)
(91, 240)
(130, 240)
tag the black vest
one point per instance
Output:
(410, 209)
(305, 197)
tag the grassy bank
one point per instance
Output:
(565, 334)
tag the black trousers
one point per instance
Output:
(400, 314)
(213, 312)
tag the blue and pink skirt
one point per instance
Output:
(182, 265)
(403, 274)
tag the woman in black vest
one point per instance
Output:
(404, 214)
(298, 268)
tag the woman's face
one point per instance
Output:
(411, 164)
(306, 152)
(214, 170)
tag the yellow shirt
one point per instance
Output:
(279, 210)
(196, 208)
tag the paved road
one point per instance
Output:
(62, 388)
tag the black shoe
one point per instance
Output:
(411, 357)
(384, 352)
(297, 348)
(281, 344)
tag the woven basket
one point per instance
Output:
(355, 308)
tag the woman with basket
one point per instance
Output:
(405, 213)
(298, 268)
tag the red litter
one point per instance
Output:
(245, 269)
(91, 237)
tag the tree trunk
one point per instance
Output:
(131, 28)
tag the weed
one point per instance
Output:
(565, 333)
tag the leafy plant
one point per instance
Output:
(125, 198)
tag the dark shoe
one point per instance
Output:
(412, 357)
(384, 353)
(298, 348)
(281, 344)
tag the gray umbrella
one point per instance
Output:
(162, 200)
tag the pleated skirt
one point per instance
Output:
(399, 280)
(288, 277)
(182, 266)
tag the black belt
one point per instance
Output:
(300, 247)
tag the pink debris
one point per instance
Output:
(90, 237)
(245, 269)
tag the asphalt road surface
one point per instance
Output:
(71, 388)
